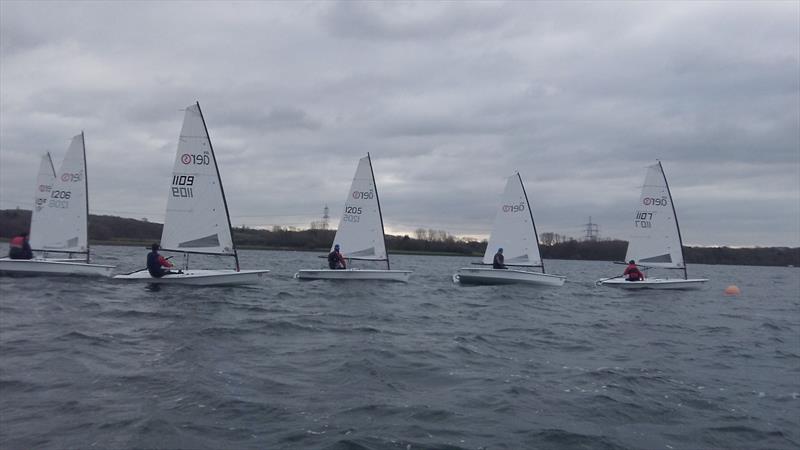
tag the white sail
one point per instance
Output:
(655, 240)
(61, 223)
(360, 232)
(513, 229)
(197, 218)
(44, 185)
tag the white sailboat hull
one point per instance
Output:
(59, 259)
(354, 274)
(53, 267)
(485, 275)
(656, 283)
(192, 277)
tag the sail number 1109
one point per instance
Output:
(181, 186)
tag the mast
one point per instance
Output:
(530, 212)
(219, 179)
(380, 214)
(86, 190)
(675, 215)
(52, 167)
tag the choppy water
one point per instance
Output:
(423, 365)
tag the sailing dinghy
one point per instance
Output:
(197, 219)
(360, 234)
(655, 241)
(515, 232)
(59, 220)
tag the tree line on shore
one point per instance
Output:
(118, 230)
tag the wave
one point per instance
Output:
(556, 438)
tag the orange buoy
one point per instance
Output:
(732, 290)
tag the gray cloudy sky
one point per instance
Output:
(449, 98)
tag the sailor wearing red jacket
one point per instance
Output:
(156, 262)
(632, 272)
(19, 248)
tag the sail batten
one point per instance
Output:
(197, 219)
(513, 228)
(360, 232)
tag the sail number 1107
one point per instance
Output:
(644, 219)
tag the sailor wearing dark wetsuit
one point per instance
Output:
(156, 262)
(335, 259)
(632, 272)
(499, 260)
(19, 248)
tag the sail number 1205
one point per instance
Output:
(352, 214)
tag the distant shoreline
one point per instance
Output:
(113, 230)
(322, 251)
(146, 245)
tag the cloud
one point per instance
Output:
(418, 21)
(449, 99)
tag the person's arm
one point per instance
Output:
(164, 262)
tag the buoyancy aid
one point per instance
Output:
(633, 274)
(18, 248)
(155, 262)
(17, 242)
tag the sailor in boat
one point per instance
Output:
(19, 248)
(335, 259)
(632, 273)
(499, 260)
(156, 263)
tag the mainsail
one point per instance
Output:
(655, 240)
(360, 232)
(197, 217)
(60, 225)
(44, 186)
(514, 230)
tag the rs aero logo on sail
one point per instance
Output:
(68, 177)
(367, 195)
(514, 208)
(200, 160)
(655, 201)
